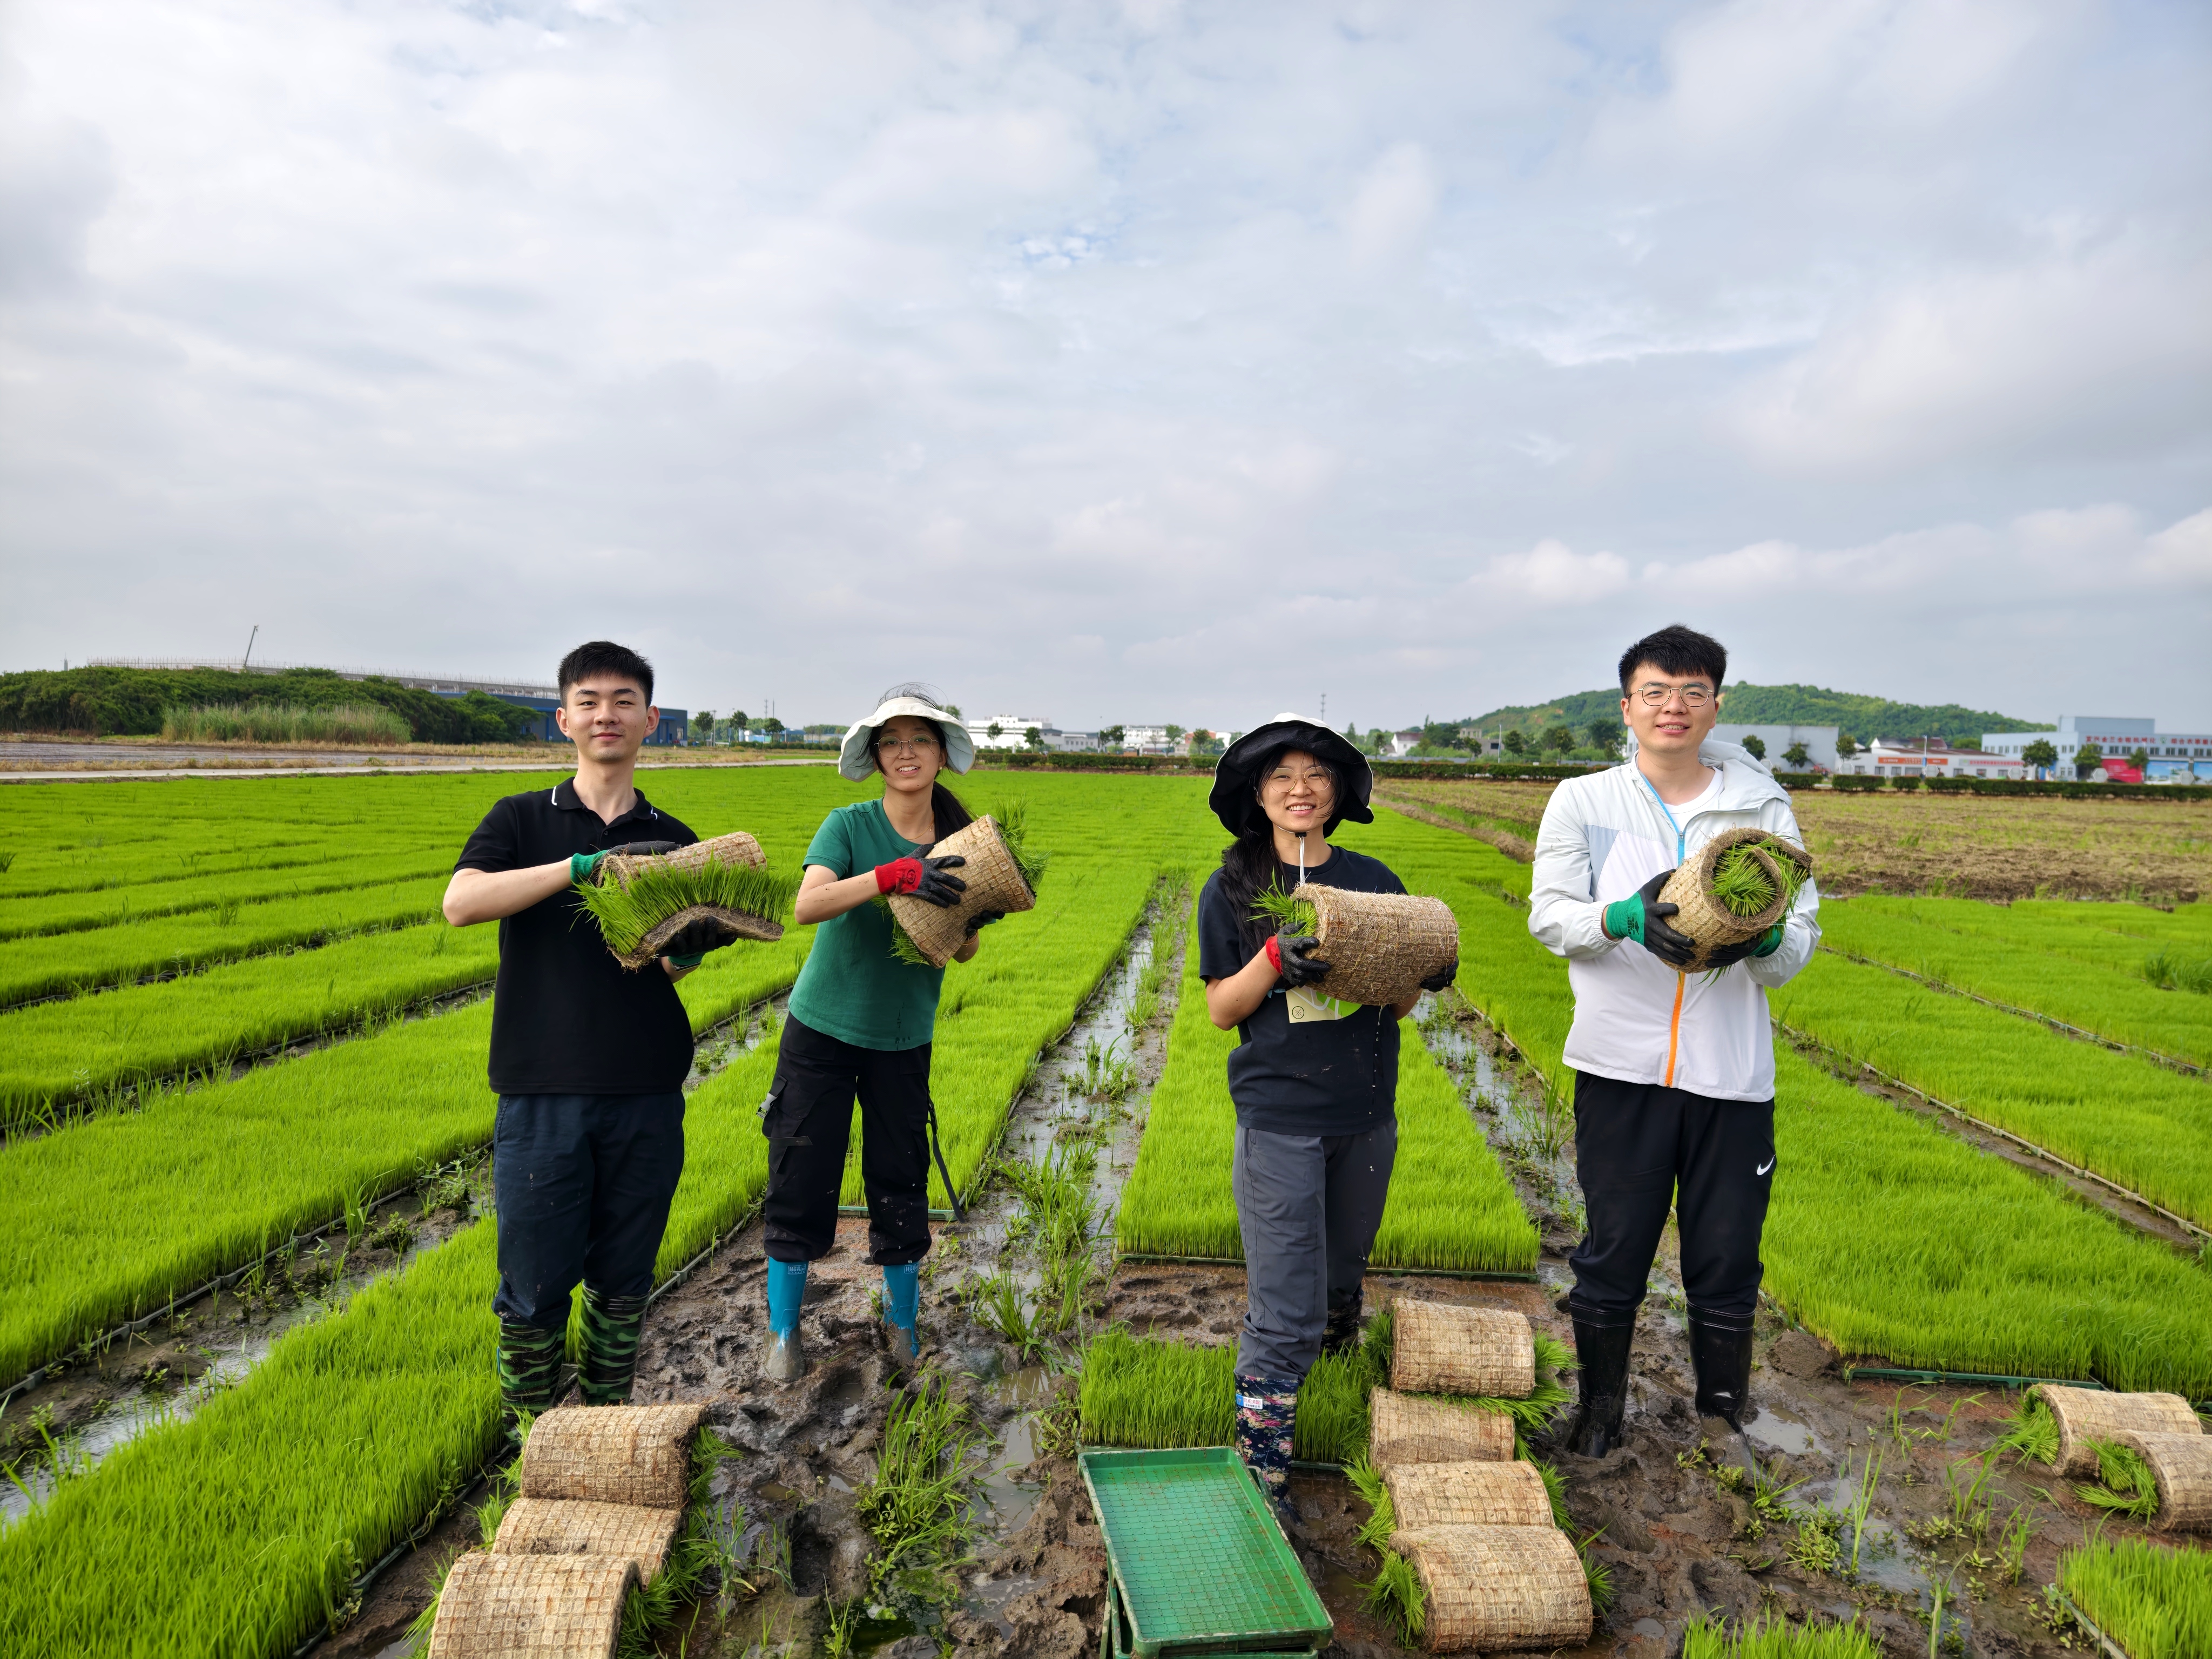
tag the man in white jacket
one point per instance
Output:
(1675, 1071)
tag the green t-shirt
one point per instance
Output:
(852, 986)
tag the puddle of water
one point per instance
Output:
(233, 1351)
(1774, 1430)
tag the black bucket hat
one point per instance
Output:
(1235, 799)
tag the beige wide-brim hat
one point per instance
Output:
(857, 760)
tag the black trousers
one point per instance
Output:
(808, 1120)
(583, 1184)
(1639, 1148)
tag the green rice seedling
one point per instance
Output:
(2033, 1435)
(332, 869)
(625, 915)
(697, 1554)
(1708, 1636)
(2170, 971)
(2012, 1542)
(2155, 1601)
(1742, 883)
(1862, 1501)
(1291, 913)
(918, 1507)
(1597, 1576)
(1382, 1521)
(1555, 1489)
(1396, 1594)
(2126, 1486)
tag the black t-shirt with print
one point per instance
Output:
(1305, 1065)
(566, 1019)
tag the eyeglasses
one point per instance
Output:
(904, 745)
(1657, 693)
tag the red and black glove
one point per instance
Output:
(925, 879)
(1291, 955)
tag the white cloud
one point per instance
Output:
(1552, 573)
(2181, 552)
(1391, 213)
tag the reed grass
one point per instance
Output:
(625, 915)
(282, 722)
(2156, 1601)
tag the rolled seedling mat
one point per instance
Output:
(1438, 1347)
(1491, 1588)
(734, 848)
(540, 1605)
(568, 1526)
(994, 883)
(2085, 1415)
(1404, 1428)
(2183, 1465)
(1424, 1495)
(1379, 947)
(1701, 916)
(612, 1454)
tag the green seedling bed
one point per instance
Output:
(1197, 1565)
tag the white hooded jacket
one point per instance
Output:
(1637, 1019)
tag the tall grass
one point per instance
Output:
(2156, 1602)
(284, 722)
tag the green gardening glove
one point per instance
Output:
(1643, 915)
(585, 866)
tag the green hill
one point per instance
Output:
(1865, 717)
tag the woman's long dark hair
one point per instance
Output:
(944, 806)
(1248, 863)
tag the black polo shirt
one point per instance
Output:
(566, 1019)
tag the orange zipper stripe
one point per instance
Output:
(1675, 1028)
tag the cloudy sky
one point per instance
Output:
(1157, 361)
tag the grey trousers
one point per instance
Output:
(1306, 1208)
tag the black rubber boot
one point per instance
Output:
(1602, 1377)
(1342, 1333)
(1721, 1356)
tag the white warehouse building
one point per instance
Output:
(2175, 756)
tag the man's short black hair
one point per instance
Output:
(1677, 650)
(597, 656)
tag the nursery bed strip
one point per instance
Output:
(1987, 1128)
(1372, 1273)
(1906, 1373)
(2157, 1056)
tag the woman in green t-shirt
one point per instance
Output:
(861, 1021)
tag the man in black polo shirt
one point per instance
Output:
(589, 1058)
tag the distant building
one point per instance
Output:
(1069, 743)
(1401, 744)
(1928, 757)
(1012, 729)
(1147, 739)
(2175, 756)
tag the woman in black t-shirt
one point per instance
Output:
(1314, 1080)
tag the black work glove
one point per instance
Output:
(1643, 915)
(1443, 976)
(696, 938)
(984, 919)
(585, 866)
(937, 888)
(1759, 944)
(1291, 956)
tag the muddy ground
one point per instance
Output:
(1674, 1511)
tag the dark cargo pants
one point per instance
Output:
(808, 1120)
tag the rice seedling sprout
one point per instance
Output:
(625, 915)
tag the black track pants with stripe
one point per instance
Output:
(1640, 1148)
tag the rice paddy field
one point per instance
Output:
(230, 1013)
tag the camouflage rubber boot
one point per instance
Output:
(611, 1326)
(1266, 1418)
(529, 1367)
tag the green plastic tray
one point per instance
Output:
(1198, 1564)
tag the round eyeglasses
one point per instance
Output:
(1656, 694)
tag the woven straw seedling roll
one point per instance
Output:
(994, 883)
(2087, 1415)
(1440, 1348)
(1424, 1495)
(1402, 1429)
(2183, 1466)
(1379, 947)
(612, 1454)
(1701, 916)
(734, 848)
(538, 1605)
(562, 1526)
(1492, 1588)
